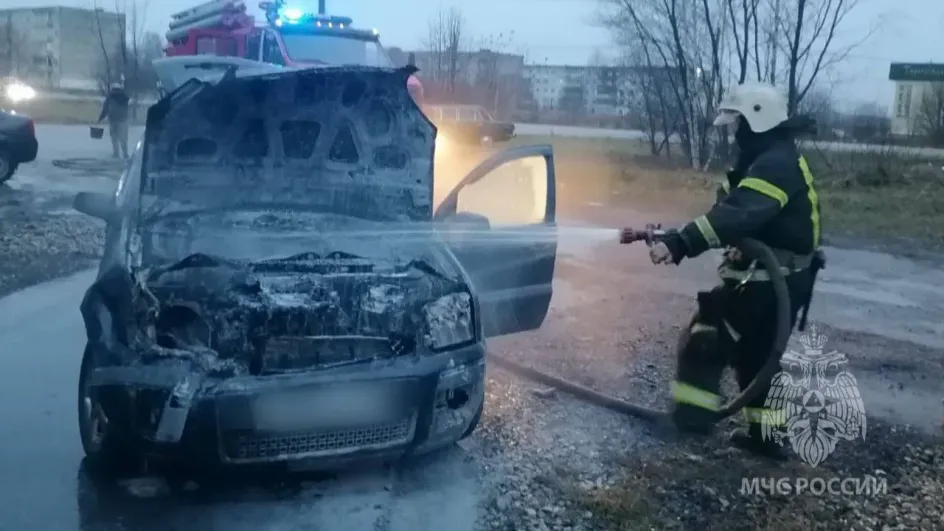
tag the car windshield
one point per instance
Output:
(251, 236)
(334, 50)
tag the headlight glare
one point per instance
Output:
(19, 92)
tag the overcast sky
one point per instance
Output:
(562, 31)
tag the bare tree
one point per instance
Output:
(127, 48)
(870, 122)
(706, 45)
(809, 30)
(686, 39)
(112, 66)
(650, 97)
(445, 43)
(930, 117)
(819, 105)
(13, 53)
(742, 16)
(490, 77)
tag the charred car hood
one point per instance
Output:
(246, 302)
(276, 317)
(344, 140)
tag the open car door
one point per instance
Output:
(500, 223)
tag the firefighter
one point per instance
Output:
(115, 109)
(769, 196)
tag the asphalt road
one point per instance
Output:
(45, 488)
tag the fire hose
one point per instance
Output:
(751, 249)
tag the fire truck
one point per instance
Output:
(290, 37)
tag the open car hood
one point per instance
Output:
(173, 72)
(343, 140)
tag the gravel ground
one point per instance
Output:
(683, 485)
(550, 462)
(37, 247)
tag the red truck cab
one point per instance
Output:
(291, 37)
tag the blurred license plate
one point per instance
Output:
(334, 407)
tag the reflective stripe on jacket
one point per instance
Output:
(775, 202)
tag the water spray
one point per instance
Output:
(652, 235)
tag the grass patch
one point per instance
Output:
(885, 193)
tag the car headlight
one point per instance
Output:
(17, 92)
(449, 321)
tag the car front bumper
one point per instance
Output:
(23, 148)
(178, 413)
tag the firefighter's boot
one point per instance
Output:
(752, 440)
(696, 390)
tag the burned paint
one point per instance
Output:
(266, 140)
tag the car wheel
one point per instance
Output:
(107, 449)
(475, 421)
(7, 166)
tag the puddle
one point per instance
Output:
(902, 400)
(874, 295)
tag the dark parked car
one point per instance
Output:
(277, 287)
(18, 144)
(469, 124)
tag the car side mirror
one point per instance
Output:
(95, 204)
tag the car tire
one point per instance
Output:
(107, 449)
(7, 166)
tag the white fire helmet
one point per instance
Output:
(762, 106)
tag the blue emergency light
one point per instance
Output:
(280, 15)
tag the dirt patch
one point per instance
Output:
(39, 247)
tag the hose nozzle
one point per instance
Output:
(651, 234)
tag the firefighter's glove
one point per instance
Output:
(733, 255)
(670, 250)
(720, 194)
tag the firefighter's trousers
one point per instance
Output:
(734, 326)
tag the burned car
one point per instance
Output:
(277, 287)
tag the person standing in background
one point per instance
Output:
(115, 109)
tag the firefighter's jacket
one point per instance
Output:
(774, 201)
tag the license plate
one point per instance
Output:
(334, 407)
